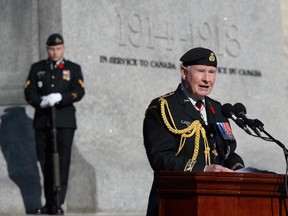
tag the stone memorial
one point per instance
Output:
(129, 52)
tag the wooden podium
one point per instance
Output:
(223, 194)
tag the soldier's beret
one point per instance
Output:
(199, 56)
(54, 39)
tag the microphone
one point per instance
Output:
(228, 111)
(240, 111)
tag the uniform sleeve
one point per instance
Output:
(233, 160)
(30, 90)
(77, 90)
(161, 145)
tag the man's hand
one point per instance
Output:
(216, 168)
(44, 102)
(54, 98)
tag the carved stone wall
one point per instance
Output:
(129, 52)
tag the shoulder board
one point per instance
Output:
(39, 64)
(214, 100)
(42, 62)
(156, 101)
(166, 95)
(70, 62)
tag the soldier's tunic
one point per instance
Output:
(45, 77)
(170, 146)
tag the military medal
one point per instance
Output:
(215, 153)
(225, 130)
(66, 75)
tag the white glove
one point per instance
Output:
(44, 102)
(54, 98)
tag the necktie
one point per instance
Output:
(199, 105)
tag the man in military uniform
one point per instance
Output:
(185, 130)
(58, 83)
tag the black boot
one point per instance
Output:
(42, 211)
(57, 211)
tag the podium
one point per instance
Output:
(223, 194)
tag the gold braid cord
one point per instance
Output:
(194, 128)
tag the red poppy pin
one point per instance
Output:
(212, 109)
(60, 65)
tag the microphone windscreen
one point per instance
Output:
(239, 108)
(227, 110)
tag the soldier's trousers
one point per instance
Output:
(44, 147)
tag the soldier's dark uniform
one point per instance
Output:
(165, 122)
(47, 77)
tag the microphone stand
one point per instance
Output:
(258, 124)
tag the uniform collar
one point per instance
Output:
(54, 64)
(188, 95)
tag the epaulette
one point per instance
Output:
(166, 95)
(214, 100)
(156, 101)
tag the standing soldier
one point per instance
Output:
(54, 84)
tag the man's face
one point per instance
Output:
(198, 80)
(56, 52)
